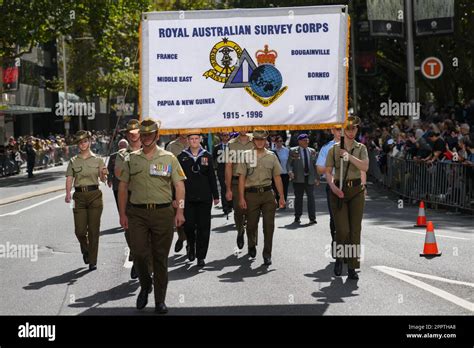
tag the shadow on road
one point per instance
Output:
(112, 231)
(39, 178)
(244, 270)
(290, 309)
(68, 278)
(225, 228)
(337, 290)
(119, 292)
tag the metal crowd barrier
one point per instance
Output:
(445, 184)
(46, 159)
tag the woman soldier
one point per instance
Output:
(84, 171)
(201, 191)
(347, 204)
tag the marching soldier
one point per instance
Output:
(256, 195)
(201, 189)
(112, 180)
(84, 171)
(237, 146)
(347, 205)
(321, 167)
(176, 147)
(152, 172)
(134, 144)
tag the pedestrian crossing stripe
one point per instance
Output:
(239, 78)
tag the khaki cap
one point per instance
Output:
(260, 134)
(353, 121)
(81, 135)
(133, 126)
(149, 125)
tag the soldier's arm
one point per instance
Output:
(118, 164)
(242, 171)
(180, 193)
(124, 178)
(228, 176)
(279, 187)
(363, 163)
(122, 197)
(69, 180)
(242, 202)
(213, 180)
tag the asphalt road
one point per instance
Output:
(394, 279)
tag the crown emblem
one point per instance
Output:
(266, 56)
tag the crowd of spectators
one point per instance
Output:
(47, 151)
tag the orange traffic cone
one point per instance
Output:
(431, 248)
(421, 220)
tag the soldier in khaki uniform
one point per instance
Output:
(176, 147)
(84, 171)
(134, 144)
(347, 204)
(234, 156)
(256, 195)
(152, 172)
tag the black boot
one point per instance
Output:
(338, 267)
(352, 274)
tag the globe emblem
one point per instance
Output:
(265, 80)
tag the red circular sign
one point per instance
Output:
(432, 68)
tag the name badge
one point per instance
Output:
(204, 161)
(160, 170)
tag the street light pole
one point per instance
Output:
(67, 124)
(410, 55)
(353, 65)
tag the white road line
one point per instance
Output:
(127, 264)
(423, 233)
(434, 290)
(33, 206)
(428, 276)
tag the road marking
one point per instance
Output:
(33, 206)
(128, 264)
(434, 290)
(428, 276)
(423, 233)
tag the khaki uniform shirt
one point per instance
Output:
(333, 160)
(85, 171)
(121, 155)
(176, 147)
(120, 159)
(260, 175)
(236, 149)
(151, 179)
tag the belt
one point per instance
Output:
(151, 206)
(258, 189)
(350, 183)
(235, 178)
(86, 188)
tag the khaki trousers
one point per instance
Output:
(151, 228)
(87, 212)
(348, 221)
(261, 203)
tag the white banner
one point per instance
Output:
(282, 68)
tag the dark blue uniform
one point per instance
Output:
(201, 189)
